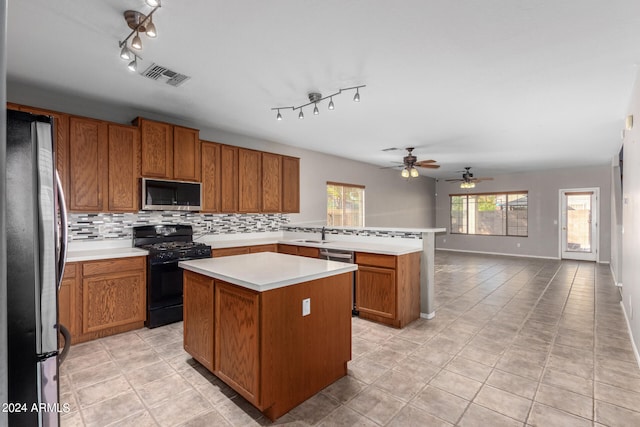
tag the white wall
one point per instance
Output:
(631, 219)
(390, 201)
(543, 188)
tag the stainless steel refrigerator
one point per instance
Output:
(36, 242)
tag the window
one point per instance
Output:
(345, 205)
(500, 214)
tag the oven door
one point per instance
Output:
(165, 285)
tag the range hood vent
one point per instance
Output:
(160, 73)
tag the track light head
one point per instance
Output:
(136, 43)
(301, 115)
(315, 110)
(152, 3)
(151, 29)
(279, 116)
(133, 65)
(125, 53)
(331, 106)
(356, 97)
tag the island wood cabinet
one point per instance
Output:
(388, 288)
(101, 298)
(169, 151)
(273, 370)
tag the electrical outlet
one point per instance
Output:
(518, 245)
(306, 306)
(444, 240)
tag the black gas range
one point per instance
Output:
(167, 245)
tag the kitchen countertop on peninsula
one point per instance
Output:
(266, 270)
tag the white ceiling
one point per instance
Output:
(500, 85)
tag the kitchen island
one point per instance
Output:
(274, 327)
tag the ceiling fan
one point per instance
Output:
(410, 162)
(468, 180)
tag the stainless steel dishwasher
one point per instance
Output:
(343, 256)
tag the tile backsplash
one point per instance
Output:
(362, 232)
(114, 226)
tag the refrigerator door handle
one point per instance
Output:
(64, 233)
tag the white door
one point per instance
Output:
(579, 224)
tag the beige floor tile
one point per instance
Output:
(149, 373)
(612, 415)
(94, 374)
(112, 410)
(479, 416)
(366, 371)
(312, 410)
(617, 396)
(104, 390)
(376, 405)
(503, 402)
(346, 417)
(184, 406)
(402, 386)
(410, 416)
(163, 390)
(543, 416)
(139, 419)
(441, 404)
(512, 383)
(456, 384)
(417, 368)
(345, 388)
(565, 400)
(469, 368)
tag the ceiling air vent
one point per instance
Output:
(160, 73)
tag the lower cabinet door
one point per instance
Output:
(114, 299)
(237, 328)
(198, 318)
(376, 291)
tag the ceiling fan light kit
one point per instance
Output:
(139, 23)
(315, 98)
(468, 181)
(410, 162)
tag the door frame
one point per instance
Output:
(595, 217)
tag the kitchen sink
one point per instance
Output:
(311, 241)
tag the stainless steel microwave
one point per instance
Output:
(163, 195)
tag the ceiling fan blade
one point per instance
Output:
(485, 178)
(454, 180)
(424, 162)
(427, 166)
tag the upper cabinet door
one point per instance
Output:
(124, 168)
(249, 176)
(186, 154)
(228, 179)
(271, 183)
(87, 164)
(156, 148)
(210, 176)
(290, 184)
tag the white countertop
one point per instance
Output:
(266, 270)
(90, 251)
(376, 248)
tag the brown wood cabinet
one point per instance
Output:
(388, 288)
(199, 319)
(169, 151)
(290, 184)
(101, 298)
(228, 179)
(249, 180)
(307, 251)
(241, 250)
(271, 183)
(66, 299)
(272, 369)
(88, 155)
(186, 154)
(210, 176)
(124, 168)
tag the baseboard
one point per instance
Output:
(497, 253)
(633, 343)
(428, 315)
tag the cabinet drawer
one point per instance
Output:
(113, 265)
(308, 252)
(69, 270)
(241, 250)
(376, 260)
(263, 248)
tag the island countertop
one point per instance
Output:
(264, 271)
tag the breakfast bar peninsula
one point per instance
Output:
(274, 327)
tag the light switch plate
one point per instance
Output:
(306, 306)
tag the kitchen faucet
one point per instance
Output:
(323, 233)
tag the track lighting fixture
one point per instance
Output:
(315, 98)
(139, 23)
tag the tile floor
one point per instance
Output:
(515, 342)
